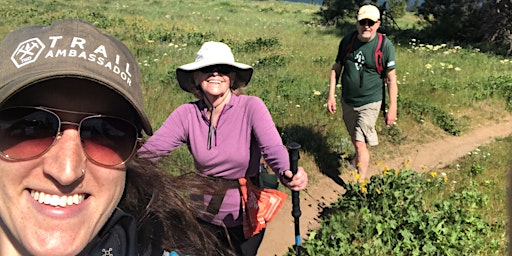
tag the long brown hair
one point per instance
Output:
(166, 215)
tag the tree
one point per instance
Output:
(333, 12)
(498, 30)
(451, 20)
(390, 10)
(476, 22)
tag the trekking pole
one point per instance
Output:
(294, 164)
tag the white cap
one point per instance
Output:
(368, 12)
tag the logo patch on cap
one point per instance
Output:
(71, 49)
(27, 52)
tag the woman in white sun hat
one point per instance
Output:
(226, 133)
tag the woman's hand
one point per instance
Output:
(296, 182)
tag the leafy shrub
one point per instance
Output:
(271, 61)
(259, 44)
(422, 111)
(389, 216)
(503, 85)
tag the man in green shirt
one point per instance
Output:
(362, 85)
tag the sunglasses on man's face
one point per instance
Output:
(29, 132)
(221, 69)
(366, 22)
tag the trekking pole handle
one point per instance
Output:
(294, 156)
(294, 165)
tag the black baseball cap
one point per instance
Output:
(70, 48)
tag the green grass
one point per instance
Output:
(485, 168)
(443, 89)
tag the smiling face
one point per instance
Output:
(213, 82)
(47, 205)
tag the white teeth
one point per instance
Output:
(76, 199)
(56, 200)
(47, 198)
(214, 82)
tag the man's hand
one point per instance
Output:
(331, 105)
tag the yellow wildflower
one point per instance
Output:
(363, 188)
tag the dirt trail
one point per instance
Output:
(434, 155)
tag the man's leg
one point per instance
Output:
(362, 158)
(366, 135)
(360, 123)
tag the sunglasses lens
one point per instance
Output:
(108, 140)
(224, 69)
(221, 69)
(366, 22)
(26, 132)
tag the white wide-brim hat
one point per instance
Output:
(213, 53)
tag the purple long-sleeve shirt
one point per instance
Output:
(245, 131)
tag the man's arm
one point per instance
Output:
(393, 95)
(333, 80)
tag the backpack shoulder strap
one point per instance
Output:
(378, 53)
(379, 60)
(348, 49)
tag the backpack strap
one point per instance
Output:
(379, 62)
(348, 49)
(379, 58)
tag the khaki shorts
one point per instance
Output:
(360, 121)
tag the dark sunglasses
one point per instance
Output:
(29, 132)
(366, 22)
(221, 69)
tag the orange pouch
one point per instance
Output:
(259, 205)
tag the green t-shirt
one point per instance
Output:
(361, 84)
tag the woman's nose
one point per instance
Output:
(65, 160)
